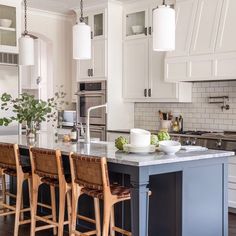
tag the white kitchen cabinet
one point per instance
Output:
(96, 66)
(185, 18)
(227, 36)
(143, 69)
(206, 26)
(136, 22)
(136, 66)
(10, 9)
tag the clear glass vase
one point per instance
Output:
(31, 130)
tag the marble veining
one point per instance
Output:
(108, 150)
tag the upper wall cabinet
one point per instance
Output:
(143, 69)
(136, 23)
(96, 67)
(211, 54)
(10, 28)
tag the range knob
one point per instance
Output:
(193, 141)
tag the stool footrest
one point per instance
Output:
(86, 219)
(94, 232)
(10, 194)
(44, 205)
(24, 222)
(122, 231)
(45, 227)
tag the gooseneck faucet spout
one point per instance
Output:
(87, 134)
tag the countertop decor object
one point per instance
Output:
(31, 111)
(5, 23)
(169, 147)
(129, 148)
(140, 137)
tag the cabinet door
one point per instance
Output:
(135, 68)
(185, 16)
(136, 23)
(9, 34)
(99, 58)
(206, 26)
(159, 89)
(227, 35)
(99, 24)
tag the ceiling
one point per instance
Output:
(61, 6)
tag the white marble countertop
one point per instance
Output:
(108, 150)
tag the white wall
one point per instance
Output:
(58, 29)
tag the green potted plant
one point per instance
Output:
(31, 111)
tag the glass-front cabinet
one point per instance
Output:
(96, 20)
(136, 23)
(9, 26)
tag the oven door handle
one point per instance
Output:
(89, 93)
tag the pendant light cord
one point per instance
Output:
(81, 11)
(25, 4)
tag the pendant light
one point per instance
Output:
(26, 45)
(81, 38)
(164, 28)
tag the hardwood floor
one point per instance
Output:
(6, 227)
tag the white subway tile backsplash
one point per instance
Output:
(197, 115)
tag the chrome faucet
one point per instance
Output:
(87, 134)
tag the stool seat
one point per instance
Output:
(12, 172)
(55, 182)
(117, 190)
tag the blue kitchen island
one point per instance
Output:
(189, 190)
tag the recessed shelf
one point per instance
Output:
(7, 29)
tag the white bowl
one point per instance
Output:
(5, 23)
(169, 147)
(138, 29)
(140, 138)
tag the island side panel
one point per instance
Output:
(205, 200)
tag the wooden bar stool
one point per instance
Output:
(90, 176)
(47, 168)
(10, 164)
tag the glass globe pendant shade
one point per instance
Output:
(164, 29)
(26, 51)
(81, 41)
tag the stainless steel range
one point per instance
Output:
(211, 140)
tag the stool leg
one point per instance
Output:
(112, 223)
(97, 216)
(22, 207)
(75, 198)
(4, 198)
(53, 205)
(18, 203)
(106, 217)
(62, 197)
(34, 201)
(69, 210)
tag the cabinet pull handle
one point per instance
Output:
(91, 34)
(91, 72)
(149, 92)
(150, 30)
(145, 93)
(145, 31)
